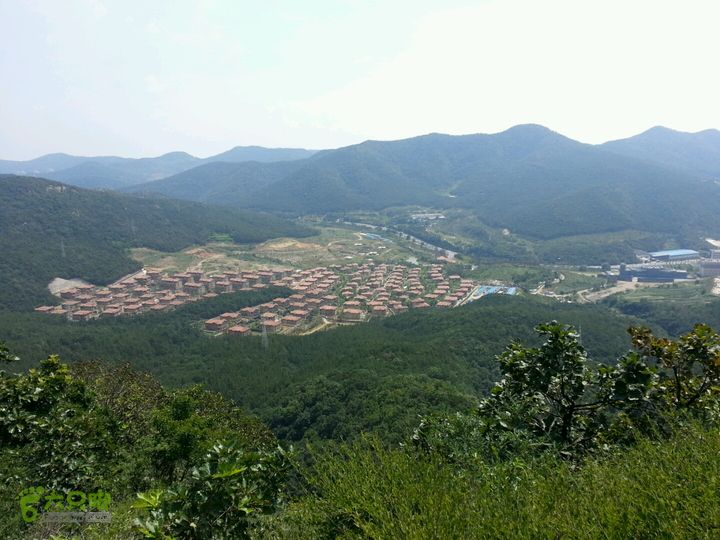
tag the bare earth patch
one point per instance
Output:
(286, 244)
(200, 252)
(620, 286)
(716, 287)
(59, 285)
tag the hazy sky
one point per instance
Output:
(143, 77)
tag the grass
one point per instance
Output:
(527, 277)
(666, 489)
(688, 293)
(575, 281)
(654, 490)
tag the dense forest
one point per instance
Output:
(674, 317)
(49, 230)
(561, 446)
(376, 377)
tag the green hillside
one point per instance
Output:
(375, 377)
(49, 230)
(530, 180)
(220, 183)
(94, 174)
(697, 153)
(561, 447)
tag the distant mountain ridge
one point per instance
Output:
(117, 172)
(530, 181)
(697, 153)
(527, 179)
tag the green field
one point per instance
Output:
(572, 282)
(674, 307)
(689, 293)
(527, 277)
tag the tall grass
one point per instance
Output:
(667, 489)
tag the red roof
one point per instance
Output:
(238, 329)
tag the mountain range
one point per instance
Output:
(528, 179)
(117, 172)
(533, 184)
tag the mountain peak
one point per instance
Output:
(697, 153)
(529, 128)
(177, 154)
(260, 153)
(666, 131)
(660, 131)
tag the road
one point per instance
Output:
(448, 253)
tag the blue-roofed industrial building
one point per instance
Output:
(650, 275)
(675, 255)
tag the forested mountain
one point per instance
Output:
(697, 153)
(220, 183)
(375, 377)
(42, 164)
(527, 179)
(116, 172)
(261, 154)
(49, 229)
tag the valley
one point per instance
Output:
(339, 292)
(324, 327)
(358, 270)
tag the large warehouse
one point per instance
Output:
(650, 275)
(675, 255)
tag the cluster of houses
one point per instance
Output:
(346, 294)
(150, 290)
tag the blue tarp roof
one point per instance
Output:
(674, 253)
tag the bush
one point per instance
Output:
(665, 489)
(220, 497)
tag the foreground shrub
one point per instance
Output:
(553, 398)
(656, 489)
(219, 499)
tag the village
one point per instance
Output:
(322, 296)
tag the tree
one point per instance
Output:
(689, 366)
(219, 498)
(553, 392)
(550, 397)
(6, 357)
(48, 421)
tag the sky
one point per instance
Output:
(141, 78)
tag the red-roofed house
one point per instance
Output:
(238, 330)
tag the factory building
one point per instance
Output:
(650, 275)
(675, 255)
(710, 268)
